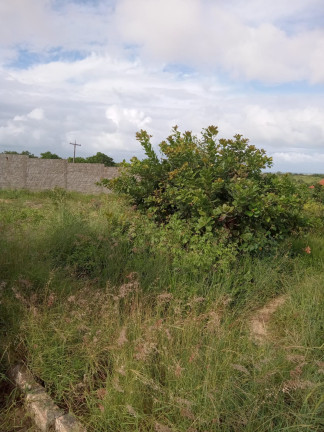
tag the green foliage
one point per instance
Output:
(25, 153)
(131, 328)
(45, 155)
(58, 195)
(10, 152)
(309, 179)
(318, 193)
(101, 158)
(97, 158)
(49, 155)
(217, 186)
(78, 159)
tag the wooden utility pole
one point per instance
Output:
(75, 144)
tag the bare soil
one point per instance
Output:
(260, 320)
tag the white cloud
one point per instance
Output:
(10, 132)
(249, 40)
(206, 34)
(299, 162)
(133, 116)
(23, 128)
(294, 127)
(38, 25)
(104, 108)
(299, 157)
(24, 20)
(256, 11)
(134, 72)
(36, 114)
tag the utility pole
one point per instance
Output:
(75, 144)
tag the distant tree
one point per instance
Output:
(49, 155)
(78, 159)
(27, 153)
(101, 158)
(24, 153)
(98, 158)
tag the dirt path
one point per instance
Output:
(260, 319)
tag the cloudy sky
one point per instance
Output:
(97, 71)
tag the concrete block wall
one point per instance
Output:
(22, 172)
(110, 172)
(46, 173)
(13, 171)
(83, 177)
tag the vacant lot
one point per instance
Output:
(132, 335)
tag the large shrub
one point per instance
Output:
(216, 185)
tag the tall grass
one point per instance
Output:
(128, 340)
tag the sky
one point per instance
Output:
(98, 71)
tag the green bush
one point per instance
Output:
(217, 186)
(318, 193)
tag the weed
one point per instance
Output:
(132, 330)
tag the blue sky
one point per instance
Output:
(99, 70)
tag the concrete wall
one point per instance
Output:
(22, 172)
(13, 171)
(83, 177)
(45, 174)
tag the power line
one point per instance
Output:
(75, 144)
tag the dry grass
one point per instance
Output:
(127, 346)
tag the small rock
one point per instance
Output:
(47, 416)
(43, 409)
(67, 423)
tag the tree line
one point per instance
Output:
(97, 158)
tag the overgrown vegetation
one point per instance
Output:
(141, 320)
(132, 331)
(214, 188)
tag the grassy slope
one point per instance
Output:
(128, 342)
